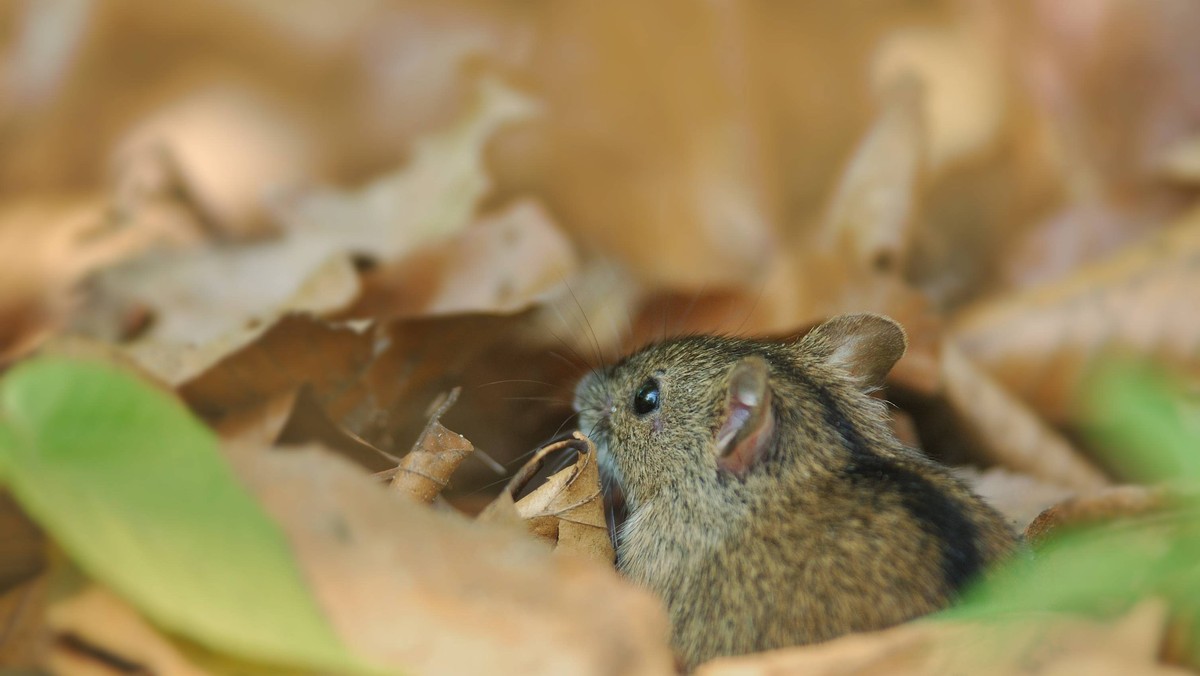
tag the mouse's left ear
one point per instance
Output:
(864, 345)
(748, 425)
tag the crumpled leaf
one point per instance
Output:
(427, 468)
(503, 262)
(1099, 507)
(202, 296)
(1040, 343)
(567, 510)
(298, 350)
(143, 502)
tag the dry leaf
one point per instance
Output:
(870, 216)
(673, 153)
(296, 351)
(22, 545)
(430, 592)
(1019, 497)
(1040, 344)
(22, 615)
(223, 151)
(960, 70)
(107, 636)
(1181, 162)
(501, 263)
(47, 246)
(427, 468)
(206, 296)
(1106, 505)
(1031, 644)
(567, 510)
(1007, 433)
(295, 418)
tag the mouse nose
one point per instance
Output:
(590, 394)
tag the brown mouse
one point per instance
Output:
(768, 502)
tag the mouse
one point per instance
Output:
(768, 502)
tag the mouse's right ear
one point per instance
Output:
(866, 346)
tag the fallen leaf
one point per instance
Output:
(1019, 497)
(1007, 433)
(22, 545)
(298, 350)
(503, 263)
(427, 468)
(99, 633)
(429, 591)
(223, 151)
(1181, 162)
(1102, 506)
(200, 297)
(959, 66)
(1040, 344)
(22, 614)
(871, 213)
(47, 246)
(567, 510)
(1029, 644)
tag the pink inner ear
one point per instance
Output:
(748, 425)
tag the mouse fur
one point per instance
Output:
(769, 503)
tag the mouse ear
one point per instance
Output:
(864, 345)
(748, 425)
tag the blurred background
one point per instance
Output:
(970, 167)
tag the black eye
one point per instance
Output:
(645, 399)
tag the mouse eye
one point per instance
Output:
(645, 399)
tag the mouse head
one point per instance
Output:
(703, 409)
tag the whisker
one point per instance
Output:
(588, 323)
(516, 380)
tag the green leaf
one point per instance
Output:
(136, 492)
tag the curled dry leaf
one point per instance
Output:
(1046, 643)
(424, 591)
(1007, 433)
(1112, 503)
(1041, 344)
(567, 510)
(1019, 497)
(427, 468)
(874, 204)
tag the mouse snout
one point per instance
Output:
(591, 395)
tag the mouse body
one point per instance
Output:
(768, 502)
